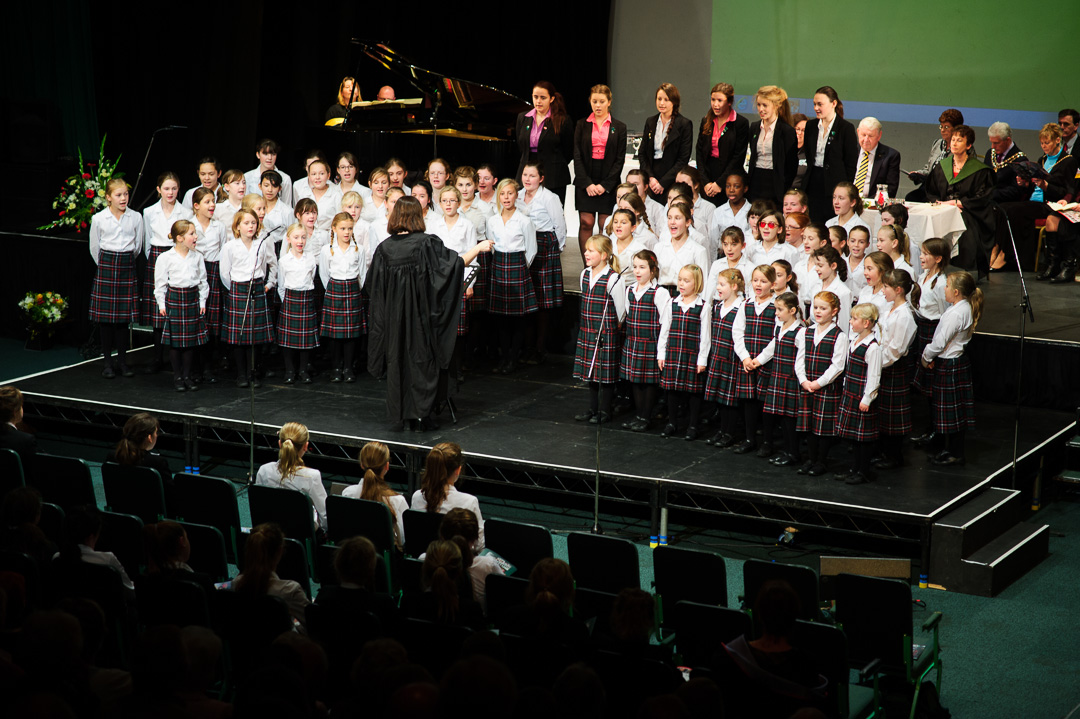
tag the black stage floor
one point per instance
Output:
(526, 420)
(1056, 308)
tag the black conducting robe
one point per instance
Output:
(974, 187)
(415, 292)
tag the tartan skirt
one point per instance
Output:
(215, 301)
(148, 309)
(818, 411)
(478, 302)
(782, 392)
(953, 400)
(114, 298)
(344, 315)
(638, 363)
(720, 380)
(546, 271)
(894, 399)
(606, 369)
(852, 423)
(924, 335)
(296, 323)
(183, 326)
(751, 385)
(511, 289)
(463, 318)
(257, 330)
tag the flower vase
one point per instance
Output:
(39, 341)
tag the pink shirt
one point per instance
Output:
(718, 130)
(537, 128)
(599, 135)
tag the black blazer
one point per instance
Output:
(1062, 180)
(25, 445)
(785, 152)
(841, 159)
(554, 150)
(1005, 187)
(886, 169)
(614, 155)
(677, 149)
(731, 148)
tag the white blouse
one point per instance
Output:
(839, 357)
(306, 480)
(614, 286)
(738, 330)
(398, 502)
(253, 178)
(518, 234)
(873, 365)
(743, 265)
(158, 225)
(454, 500)
(952, 334)
(296, 273)
(897, 332)
(112, 235)
(672, 260)
(240, 263)
(932, 302)
(705, 336)
(760, 255)
(277, 221)
(546, 213)
(338, 264)
(626, 258)
(662, 300)
(172, 270)
(329, 204)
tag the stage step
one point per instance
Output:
(973, 547)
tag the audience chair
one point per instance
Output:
(630, 680)
(52, 523)
(293, 564)
(167, 600)
(433, 646)
(27, 567)
(207, 550)
(104, 585)
(202, 499)
(606, 564)
(65, 481)
(700, 628)
(803, 580)
(247, 625)
(11, 471)
(690, 575)
(348, 517)
(122, 534)
(421, 529)
(134, 490)
(289, 509)
(502, 593)
(521, 544)
(827, 646)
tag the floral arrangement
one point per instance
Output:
(83, 194)
(42, 310)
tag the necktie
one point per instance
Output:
(860, 174)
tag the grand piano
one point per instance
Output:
(461, 121)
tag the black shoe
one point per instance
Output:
(349, 376)
(600, 418)
(191, 386)
(765, 450)
(126, 371)
(946, 459)
(242, 382)
(629, 424)
(534, 358)
(305, 378)
(1051, 269)
(154, 367)
(269, 374)
(668, 430)
(336, 376)
(290, 378)
(209, 378)
(725, 441)
(622, 406)
(178, 385)
(884, 463)
(715, 438)
(691, 434)
(460, 378)
(806, 467)
(255, 382)
(640, 425)
(856, 478)
(744, 447)
(817, 469)
(427, 424)
(1067, 274)
(924, 439)
(584, 416)
(108, 372)
(784, 460)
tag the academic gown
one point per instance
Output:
(974, 187)
(415, 292)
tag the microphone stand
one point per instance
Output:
(1025, 312)
(147, 156)
(251, 368)
(596, 529)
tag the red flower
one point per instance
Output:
(89, 194)
(62, 213)
(86, 176)
(82, 224)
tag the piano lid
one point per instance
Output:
(448, 106)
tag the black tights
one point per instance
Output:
(342, 354)
(729, 419)
(511, 337)
(181, 358)
(751, 417)
(540, 328)
(114, 336)
(601, 397)
(645, 399)
(295, 359)
(864, 453)
(790, 437)
(954, 443)
(892, 446)
(684, 404)
(242, 356)
(819, 447)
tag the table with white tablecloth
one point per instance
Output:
(924, 220)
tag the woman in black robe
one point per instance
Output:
(414, 288)
(962, 180)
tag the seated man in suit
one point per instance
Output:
(1000, 157)
(11, 414)
(1068, 120)
(878, 163)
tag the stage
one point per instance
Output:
(520, 437)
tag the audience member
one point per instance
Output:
(882, 163)
(11, 437)
(938, 149)
(263, 551)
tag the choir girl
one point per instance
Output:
(814, 237)
(180, 292)
(230, 196)
(822, 354)
(858, 417)
(603, 307)
(785, 277)
(893, 241)
(896, 214)
(733, 213)
(934, 261)
(643, 229)
(667, 141)
(832, 152)
(648, 316)
(723, 363)
(771, 246)
(353, 204)
(795, 200)
(838, 238)
(875, 266)
(858, 246)
(546, 213)
(599, 155)
(952, 402)
(545, 137)
(679, 250)
(379, 226)
(379, 183)
(302, 187)
(485, 187)
(290, 471)
(511, 295)
(774, 159)
(396, 174)
(703, 209)
(639, 178)
(472, 208)
(266, 152)
(437, 175)
(467, 181)
(279, 213)
(248, 273)
(422, 192)
(211, 238)
(794, 225)
(722, 142)
(326, 195)
(683, 353)
(158, 220)
(751, 333)
(625, 244)
(342, 269)
(897, 333)
(832, 275)
(116, 239)
(345, 176)
(733, 244)
(782, 386)
(848, 207)
(209, 177)
(306, 213)
(297, 329)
